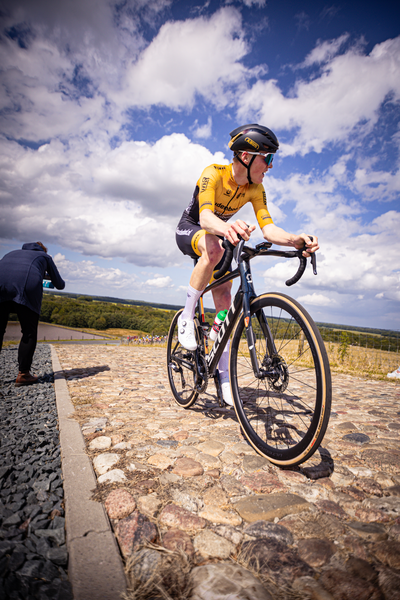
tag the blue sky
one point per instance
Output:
(109, 111)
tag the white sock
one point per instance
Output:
(191, 302)
(223, 365)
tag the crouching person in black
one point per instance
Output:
(21, 291)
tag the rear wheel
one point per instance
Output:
(181, 364)
(284, 413)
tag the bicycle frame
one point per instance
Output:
(281, 393)
(241, 300)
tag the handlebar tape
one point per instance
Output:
(300, 271)
(302, 266)
(227, 261)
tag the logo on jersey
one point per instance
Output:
(229, 208)
(252, 143)
(204, 183)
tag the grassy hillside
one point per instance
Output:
(111, 299)
(104, 312)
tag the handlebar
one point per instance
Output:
(228, 258)
(300, 271)
(263, 249)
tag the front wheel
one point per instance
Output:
(284, 412)
(181, 366)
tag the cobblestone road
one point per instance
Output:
(186, 479)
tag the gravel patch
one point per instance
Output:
(33, 553)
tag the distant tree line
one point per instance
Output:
(83, 312)
(113, 300)
(91, 312)
(388, 341)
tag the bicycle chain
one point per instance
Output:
(200, 388)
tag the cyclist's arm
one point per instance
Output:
(279, 236)
(213, 224)
(259, 202)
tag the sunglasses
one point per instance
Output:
(267, 157)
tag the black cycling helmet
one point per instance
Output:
(252, 138)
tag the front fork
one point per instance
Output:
(248, 295)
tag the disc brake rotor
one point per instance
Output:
(278, 377)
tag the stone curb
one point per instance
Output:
(95, 566)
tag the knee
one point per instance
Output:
(29, 334)
(213, 252)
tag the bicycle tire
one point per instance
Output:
(181, 367)
(284, 415)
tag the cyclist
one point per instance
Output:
(219, 193)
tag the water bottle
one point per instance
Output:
(219, 319)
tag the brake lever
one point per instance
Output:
(313, 258)
(314, 263)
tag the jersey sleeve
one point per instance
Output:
(259, 202)
(208, 184)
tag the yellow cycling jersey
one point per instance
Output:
(218, 191)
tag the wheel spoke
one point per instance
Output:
(181, 367)
(280, 412)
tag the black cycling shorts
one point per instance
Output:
(188, 233)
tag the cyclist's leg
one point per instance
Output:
(196, 242)
(209, 250)
(222, 301)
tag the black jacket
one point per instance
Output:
(22, 273)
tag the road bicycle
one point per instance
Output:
(279, 369)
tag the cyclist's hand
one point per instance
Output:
(311, 245)
(238, 227)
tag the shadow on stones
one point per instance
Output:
(319, 470)
(81, 373)
(211, 409)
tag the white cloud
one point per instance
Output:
(316, 300)
(38, 99)
(258, 3)
(160, 282)
(122, 202)
(195, 56)
(88, 273)
(202, 131)
(354, 258)
(160, 177)
(375, 185)
(325, 51)
(344, 98)
(318, 204)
